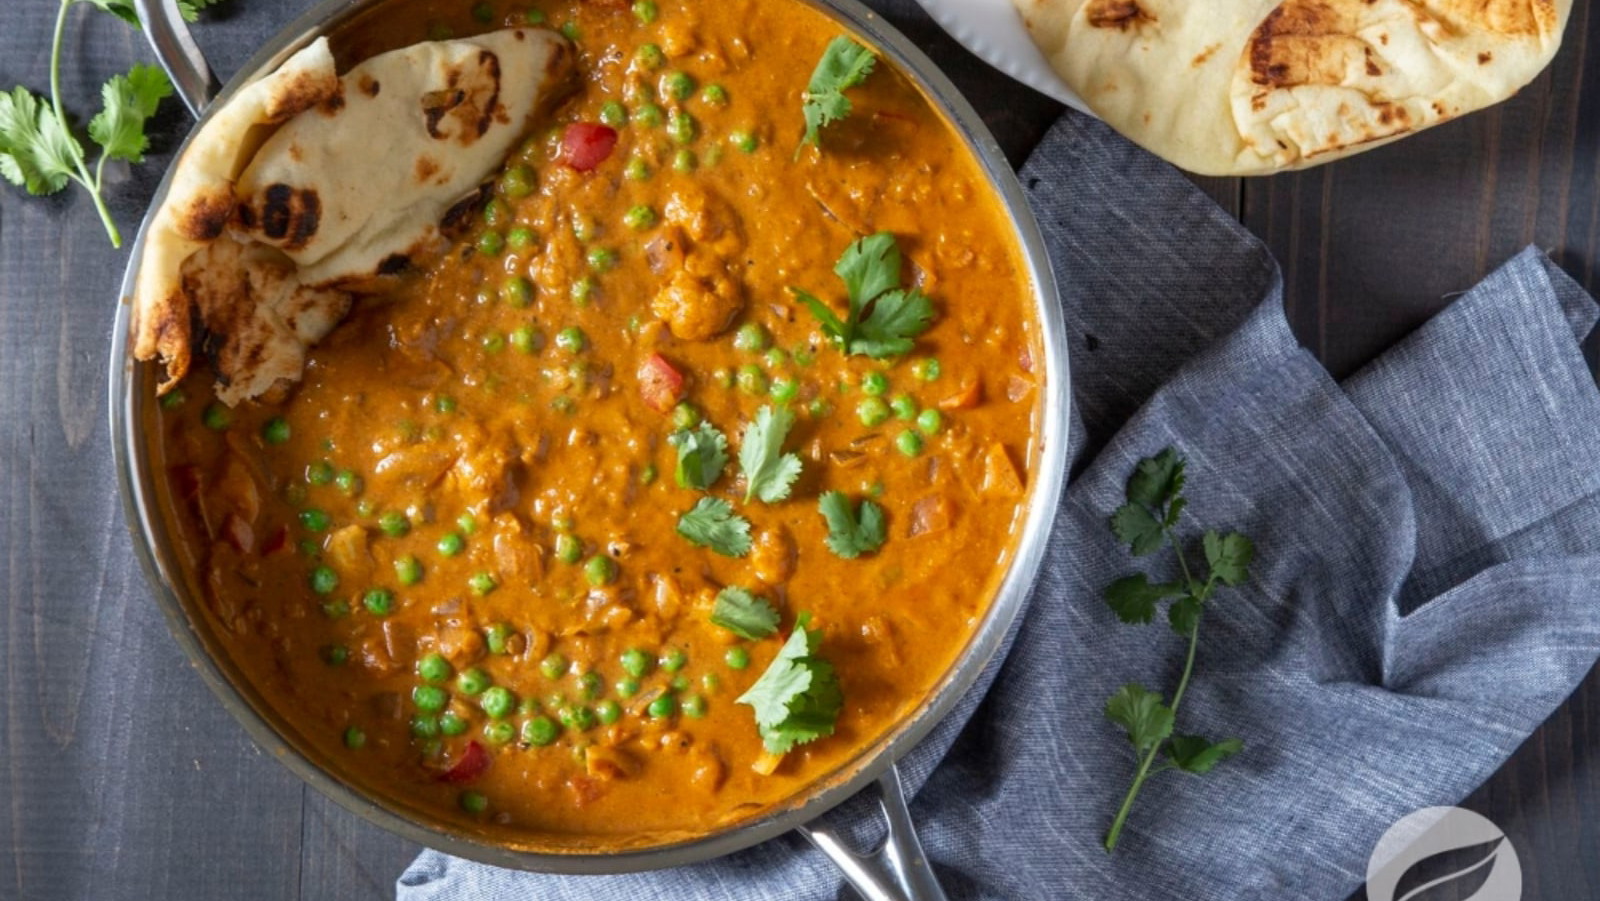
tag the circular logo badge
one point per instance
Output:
(1444, 852)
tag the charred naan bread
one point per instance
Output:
(308, 187)
(1245, 87)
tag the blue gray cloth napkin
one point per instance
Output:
(1426, 587)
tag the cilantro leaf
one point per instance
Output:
(744, 614)
(129, 100)
(1135, 527)
(712, 523)
(797, 699)
(869, 267)
(1194, 754)
(768, 472)
(1184, 615)
(1157, 480)
(1147, 721)
(36, 150)
(895, 318)
(844, 65)
(123, 9)
(883, 317)
(190, 9)
(1229, 556)
(832, 326)
(702, 455)
(1133, 598)
(851, 534)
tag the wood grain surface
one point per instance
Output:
(122, 778)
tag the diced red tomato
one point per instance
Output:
(965, 399)
(585, 145)
(469, 766)
(660, 383)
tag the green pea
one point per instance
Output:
(334, 654)
(526, 339)
(627, 687)
(216, 417)
(576, 717)
(722, 378)
(563, 404)
(314, 520)
(378, 601)
(540, 731)
(516, 292)
(424, 726)
(674, 659)
(590, 684)
(497, 701)
(930, 422)
(572, 339)
(452, 724)
(736, 658)
(664, 705)
(275, 431)
(582, 290)
(639, 218)
(751, 379)
(473, 682)
(680, 682)
(872, 412)
(635, 662)
(496, 636)
(909, 443)
(694, 706)
(496, 213)
(582, 228)
(608, 712)
(336, 609)
(785, 390)
(599, 570)
(714, 94)
(319, 473)
(517, 182)
(533, 17)
(554, 666)
(407, 570)
(494, 342)
(818, 408)
(569, 30)
(926, 369)
(467, 524)
(685, 416)
(483, 12)
(482, 583)
(712, 682)
(636, 169)
(173, 399)
(394, 523)
(433, 668)
(645, 11)
(568, 548)
(613, 113)
(499, 732)
(681, 127)
(473, 802)
(354, 738)
(429, 698)
(751, 337)
(445, 404)
(874, 384)
(683, 160)
(451, 544)
(903, 406)
(649, 56)
(677, 85)
(490, 243)
(520, 238)
(347, 482)
(647, 476)
(744, 140)
(364, 508)
(324, 580)
(602, 259)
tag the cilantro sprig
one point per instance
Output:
(769, 473)
(797, 699)
(845, 64)
(851, 533)
(1155, 503)
(38, 150)
(712, 523)
(702, 455)
(744, 614)
(883, 317)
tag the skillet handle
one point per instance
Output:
(897, 870)
(175, 48)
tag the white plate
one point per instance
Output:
(993, 30)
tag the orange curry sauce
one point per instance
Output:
(451, 409)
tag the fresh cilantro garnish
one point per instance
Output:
(39, 152)
(797, 699)
(1145, 523)
(768, 471)
(123, 9)
(702, 454)
(844, 64)
(883, 317)
(712, 524)
(850, 535)
(744, 614)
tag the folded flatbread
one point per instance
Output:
(1244, 87)
(308, 187)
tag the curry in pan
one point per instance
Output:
(683, 474)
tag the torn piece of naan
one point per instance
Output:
(328, 186)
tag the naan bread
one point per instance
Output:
(308, 187)
(1245, 87)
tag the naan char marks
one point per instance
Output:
(1238, 87)
(365, 179)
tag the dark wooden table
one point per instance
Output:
(121, 777)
